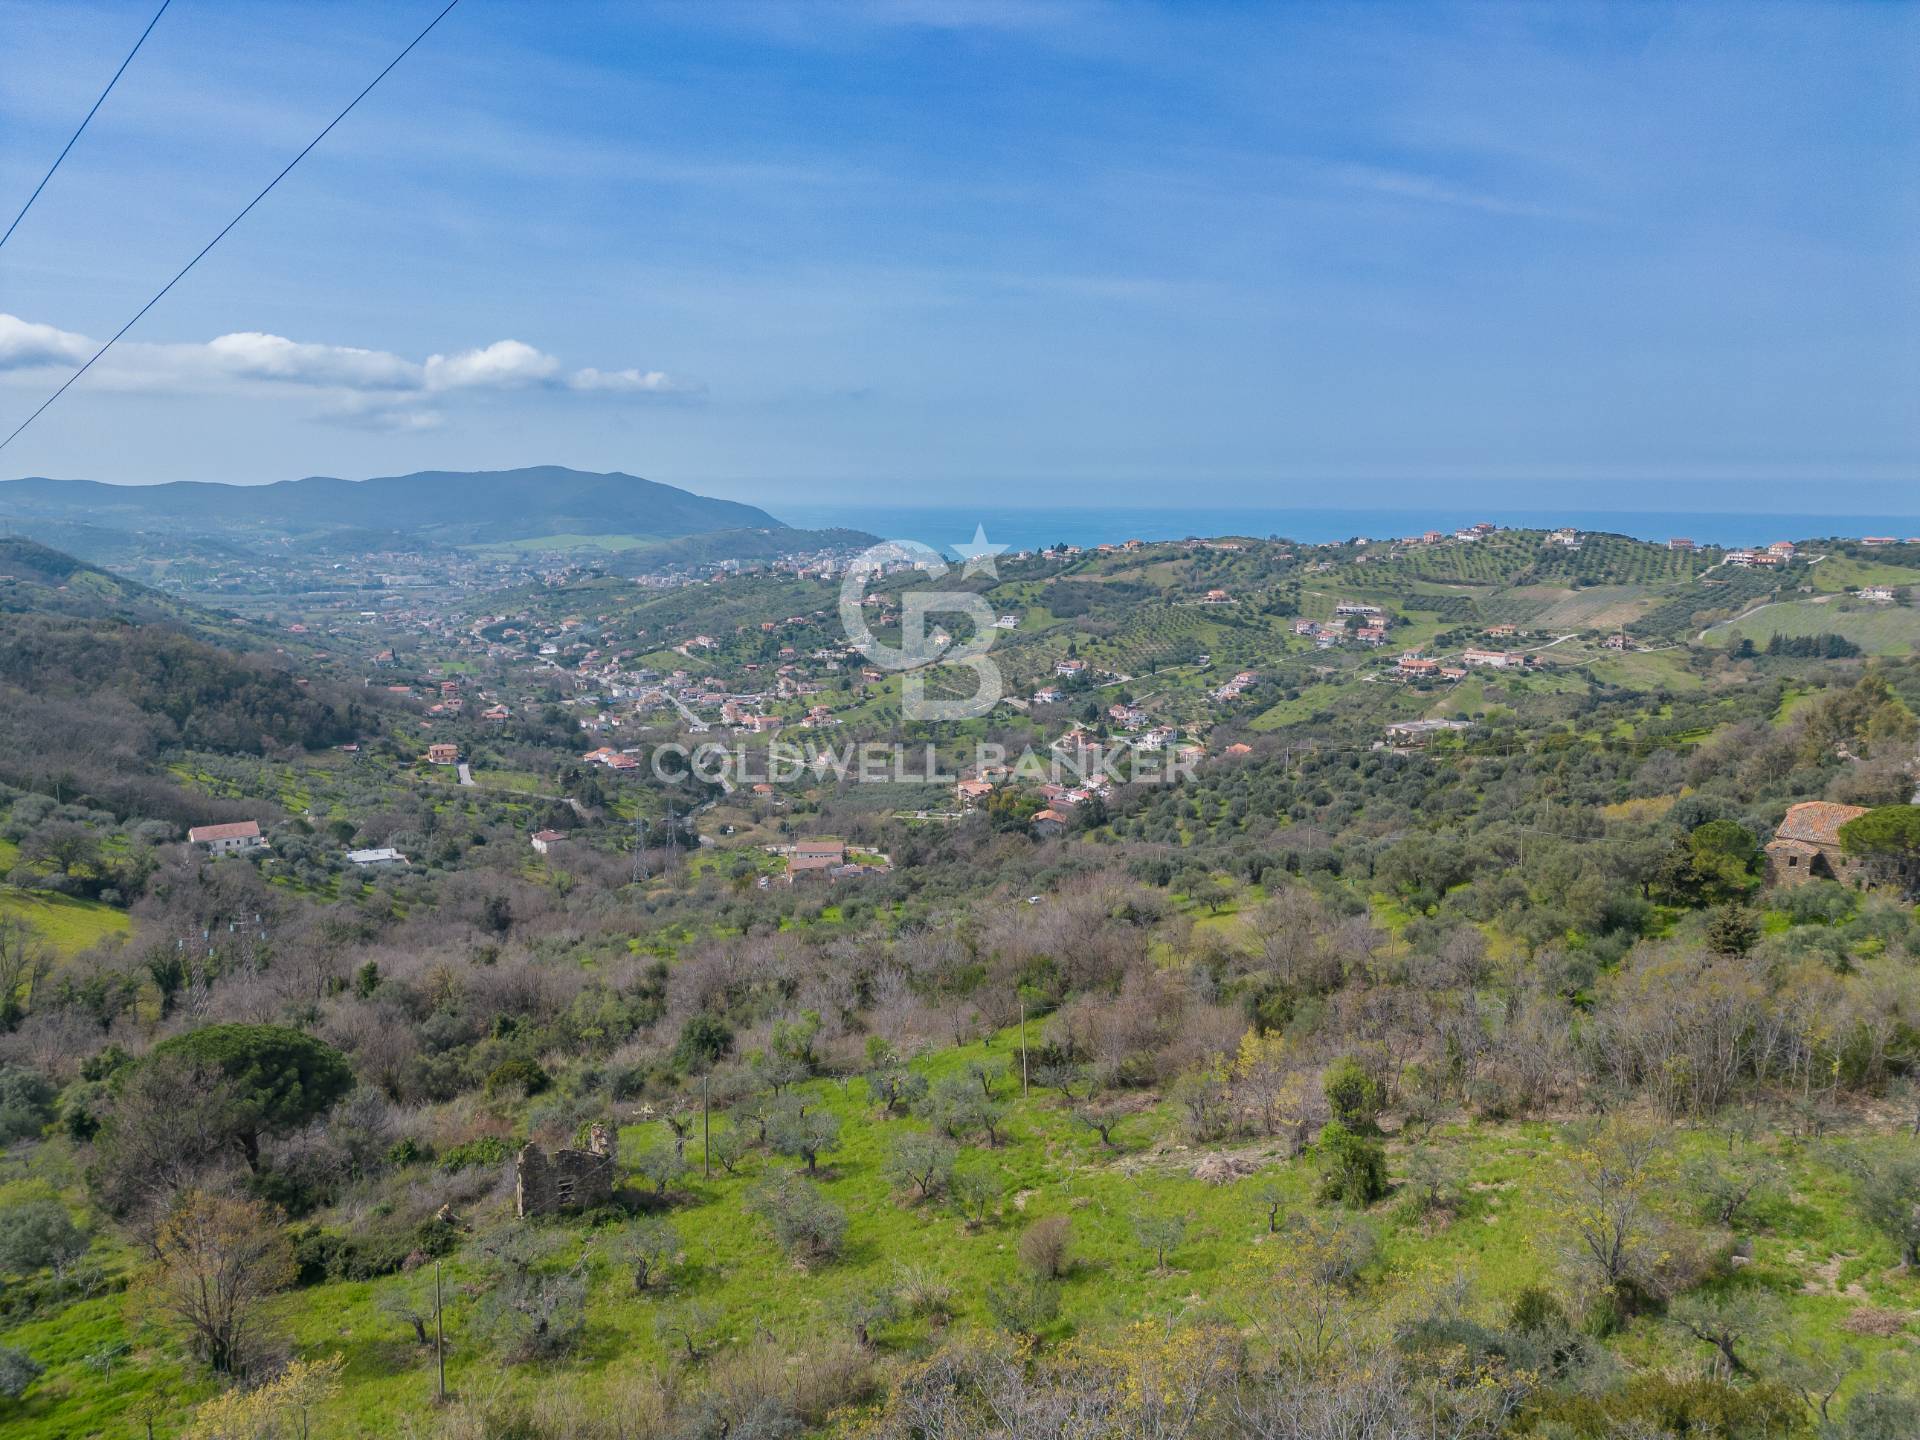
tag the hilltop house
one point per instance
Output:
(1496, 659)
(1806, 846)
(240, 835)
(443, 753)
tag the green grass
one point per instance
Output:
(1847, 572)
(1877, 628)
(67, 924)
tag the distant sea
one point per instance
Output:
(1021, 528)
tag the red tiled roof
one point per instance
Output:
(235, 830)
(1778, 846)
(1817, 822)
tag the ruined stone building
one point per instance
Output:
(1807, 845)
(566, 1180)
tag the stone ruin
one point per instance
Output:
(566, 1180)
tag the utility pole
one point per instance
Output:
(1023, 1041)
(439, 1335)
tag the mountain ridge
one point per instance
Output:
(447, 506)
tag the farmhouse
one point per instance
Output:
(971, 792)
(1495, 659)
(1807, 844)
(815, 858)
(545, 840)
(442, 753)
(227, 839)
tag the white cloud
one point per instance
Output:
(373, 388)
(654, 382)
(505, 364)
(249, 355)
(24, 343)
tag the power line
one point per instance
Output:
(229, 225)
(83, 124)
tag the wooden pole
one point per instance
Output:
(439, 1335)
(1023, 1042)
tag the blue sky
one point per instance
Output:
(1011, 251)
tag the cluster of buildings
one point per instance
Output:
(824, 858)
(1781, 552)
(1412, 665)
(1326, 634)
(243, 837)
(1237, 686)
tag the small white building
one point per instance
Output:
(384, 855)
(545, 840)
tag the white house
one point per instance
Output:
(385, 855)
(227, 839)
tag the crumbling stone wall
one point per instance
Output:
(566, 1180)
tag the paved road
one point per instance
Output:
(466, 773)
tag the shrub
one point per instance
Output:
(18, 1370)
(1353, 1168)
(1025, 1305)
(38, 1235)
(1046, 1247)
(26, 1104)
(408, 1151)
(487, 1150)
(1353, 1095)
(519, 1075)
(704, 1040)
(1732, 930)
